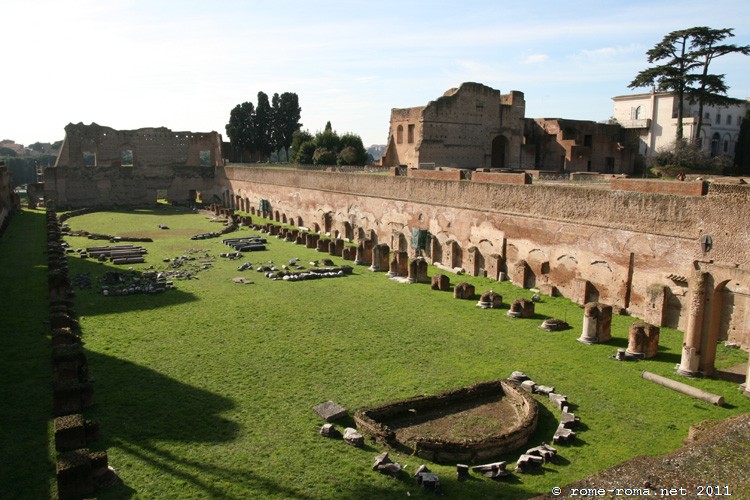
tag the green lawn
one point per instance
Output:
(207, 390)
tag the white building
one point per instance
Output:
(654, 116)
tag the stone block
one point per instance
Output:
(330, 411)
(464, 290)
(440, 282)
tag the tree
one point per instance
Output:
(241, 127)
(8, 152)
(356, 154)
(711, 88)
(324, 156)
(287, 120)
(266, 128)
(742, 151)
(683, 52)
(262, 142)
(328, 139)
(671, 75)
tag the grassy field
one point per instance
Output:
(207, 390)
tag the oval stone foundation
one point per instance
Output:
(468, 425)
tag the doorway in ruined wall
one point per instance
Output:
(728, 319)
(348, 231)
(327, 222)
(499, 152)
(300, 222)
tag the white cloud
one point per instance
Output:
(535, 59)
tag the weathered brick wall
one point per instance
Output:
(458, 128)
(107, 186)
(149, 146)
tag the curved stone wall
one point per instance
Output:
(374, 421)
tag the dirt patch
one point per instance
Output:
(713, 463)
(469, 421)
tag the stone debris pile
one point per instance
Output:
(312, 274)
(535, 457)
(134, 282)
(385, 465)
(568, 421)
(119, 254)
(249, 244)
(205, 236)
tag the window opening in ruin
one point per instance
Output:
(161, 196)
(400, 134)
(126, 158)
(89, 159)
(204, 158)
(410, 134)
(588, 140)
(637, 113)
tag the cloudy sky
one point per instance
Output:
(185, 64)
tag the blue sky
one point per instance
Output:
(185, 64)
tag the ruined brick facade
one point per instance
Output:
(101, 166)
(474, 127)
(98, 146)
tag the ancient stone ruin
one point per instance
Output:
(597, 323)
(509, 415)
(643, 340)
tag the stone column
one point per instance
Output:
(597, 322)
(692, 341)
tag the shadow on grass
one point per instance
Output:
(26, 469)
(139, 408)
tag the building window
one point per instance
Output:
(718, 118)
(400, 134)
(410, 134)
(707, 117)
(587, 140)
(637, 113)
(729, 119)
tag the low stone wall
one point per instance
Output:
(443, 175)
(680, 188)
(502, 177)
(372, 421)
